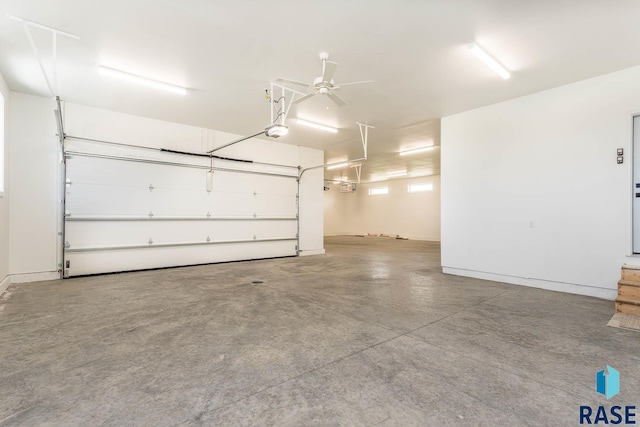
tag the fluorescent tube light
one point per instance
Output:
(396, 173)
(489, 60)
(416, 150)
(317, 126)
(338, 165)
(276, 131)
(112, 72)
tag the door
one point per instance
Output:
(131, 210)
(636, 185)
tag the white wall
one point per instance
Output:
(33, 177)
(33, 169)
(311, 203)
(412, 215)
(4, 196)
(531, 190)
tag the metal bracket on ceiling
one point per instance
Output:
(279, 109)
(358, 169)
(287, 97)
(364, 136)
(52, 81)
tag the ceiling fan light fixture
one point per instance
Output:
(489, 60)
(276, 130)
(416, 150)
(316, 125)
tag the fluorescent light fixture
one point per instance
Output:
(317, 126)
(489, 60)
(123, 75)
(415, 188)
(416, 150)
(338, 165)
(378, 190)
(396, 173)
(276, 130)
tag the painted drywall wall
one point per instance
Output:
(311, 203)
(531, 190)
(4, 195)
(32, 184)
(34, 171)
(412, 215)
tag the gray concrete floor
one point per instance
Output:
(370, 334)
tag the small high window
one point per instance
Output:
(414, 188)
(379, 190)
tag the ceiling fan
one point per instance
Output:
(324, 84)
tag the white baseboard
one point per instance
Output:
(571, 288)
(4, 284)
(34, 277)
(308, 252)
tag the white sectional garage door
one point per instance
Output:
(132, 209)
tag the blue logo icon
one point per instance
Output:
(608, 383)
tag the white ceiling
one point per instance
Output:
(226, 52)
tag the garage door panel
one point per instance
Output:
(91, 234)
(82, 263)
(113, 203)
(86, 199)
(275, 186)
(275, 205)
(179, 202)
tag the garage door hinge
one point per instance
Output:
(151, 187)
(208, 239)
(67, 245)
(254, 237)
(150, 214)
(68, 181)
(67, 213)
(150, 241)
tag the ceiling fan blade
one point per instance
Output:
(304, 98)
(335, 98)
(355, 83)
(292, 82)
(328, 70)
